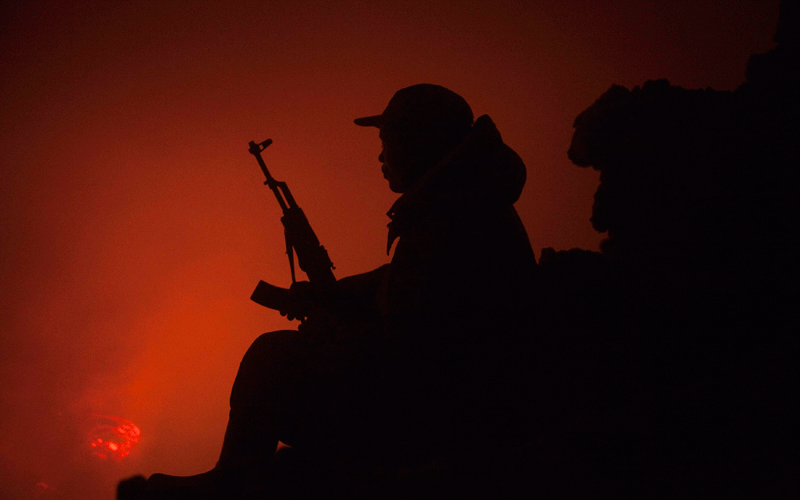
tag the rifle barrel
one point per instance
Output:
(255, 150)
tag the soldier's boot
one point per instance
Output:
(216, 484)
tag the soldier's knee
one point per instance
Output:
(270, 344)
(266, 357)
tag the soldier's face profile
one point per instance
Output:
(391, 168)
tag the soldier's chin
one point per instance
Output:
(399, 189)
(394, 184)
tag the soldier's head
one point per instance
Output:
(420, 126)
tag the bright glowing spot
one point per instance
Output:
(112, 437)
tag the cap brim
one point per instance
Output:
(370, 121)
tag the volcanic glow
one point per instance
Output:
(112, 437)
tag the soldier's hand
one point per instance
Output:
(301, 301)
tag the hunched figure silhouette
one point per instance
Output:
(419, 358)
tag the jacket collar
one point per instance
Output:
(481, 172)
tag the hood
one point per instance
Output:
(481, 173)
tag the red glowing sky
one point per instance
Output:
(134, 222)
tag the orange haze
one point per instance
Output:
(134, 221)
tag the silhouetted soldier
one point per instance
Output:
(421, 357)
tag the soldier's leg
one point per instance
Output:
(264, 396)
(299, 388)
(263, 407)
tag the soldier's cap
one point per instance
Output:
(423, 109)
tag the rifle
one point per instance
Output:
(300, 238)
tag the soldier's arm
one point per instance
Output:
(350, 296)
